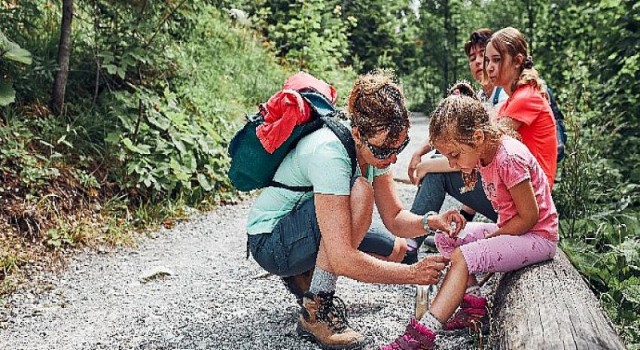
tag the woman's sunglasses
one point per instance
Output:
(386, 152)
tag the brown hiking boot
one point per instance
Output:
(298, 284)
(323, 319)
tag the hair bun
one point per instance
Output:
(463, 88)
(528, 63)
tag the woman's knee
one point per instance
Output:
(399, 250)
(362, 202)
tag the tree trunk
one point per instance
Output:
(446, 41)
(64, 51)
(549, 306)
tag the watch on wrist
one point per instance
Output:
(425, 224)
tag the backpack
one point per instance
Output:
(561, 132)
(252, 167)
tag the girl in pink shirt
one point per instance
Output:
(527, 228)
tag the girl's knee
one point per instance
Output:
(361, 202)
(445, 244)
(457, 257)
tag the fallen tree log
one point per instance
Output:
(549, 306)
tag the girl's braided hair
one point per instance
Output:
(376, 103)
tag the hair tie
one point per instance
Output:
(528, 63)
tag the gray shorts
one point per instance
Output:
(292, 247)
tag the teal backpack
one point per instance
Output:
(252, 167)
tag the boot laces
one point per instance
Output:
(333, 311)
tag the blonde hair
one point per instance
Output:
(511, 41)
(457, 117)
(376, 103)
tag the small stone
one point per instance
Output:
(158, 272)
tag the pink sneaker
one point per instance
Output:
(466, 318)
(416, 337)
(473, 302)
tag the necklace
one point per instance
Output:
(469, 181)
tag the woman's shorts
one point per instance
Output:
(292, 247)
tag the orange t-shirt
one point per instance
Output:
(538, 130)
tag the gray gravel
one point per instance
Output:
(190, 287)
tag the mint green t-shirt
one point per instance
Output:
(319, 160)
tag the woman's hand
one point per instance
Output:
(450, 222)
(429, 270)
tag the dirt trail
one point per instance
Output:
(212, 298)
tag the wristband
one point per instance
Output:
(425, 225)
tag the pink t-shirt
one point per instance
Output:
(512, 164)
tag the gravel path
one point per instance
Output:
(207, 296)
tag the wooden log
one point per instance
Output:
(549, 306)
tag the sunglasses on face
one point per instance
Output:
(386, 152)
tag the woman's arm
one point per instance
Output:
(402, 222)
(339, 245)
(527, 208)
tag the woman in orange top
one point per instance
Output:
(508, 64)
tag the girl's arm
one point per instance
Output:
(432, 165)
(527, 208)
(416, 158)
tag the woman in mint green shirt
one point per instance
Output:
(291, 233)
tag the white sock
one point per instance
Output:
(431, 322)
(474, 290)
(322, 281)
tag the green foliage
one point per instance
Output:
(13, 52)
(599, 223)
(33, 171)
(309, 35)
(388, 24)
(164, 150)
(172, 142)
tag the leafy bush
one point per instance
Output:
(599, 226)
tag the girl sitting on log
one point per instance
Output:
(527, 228)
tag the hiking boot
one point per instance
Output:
(473, 301)
(472, 314)
(466, 318)
(298, 284)
(323, 319)
(416, 337)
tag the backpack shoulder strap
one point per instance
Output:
(326, 112)
(496, 96)
(345, 137)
